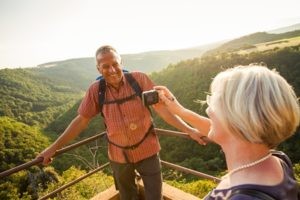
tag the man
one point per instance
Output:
(133, 144)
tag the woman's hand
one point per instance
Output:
(169, 100)
(201, 125)
(164, 93)
(197, 136)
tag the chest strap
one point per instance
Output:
(120, 101)
(134, 145)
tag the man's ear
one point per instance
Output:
(98, 69)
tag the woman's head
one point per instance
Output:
(256, 104)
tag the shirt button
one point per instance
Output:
(132, 126)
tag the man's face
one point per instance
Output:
(109, 65)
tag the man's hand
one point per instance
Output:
(75, 127)
(47, 155)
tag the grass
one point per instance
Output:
(271, 45)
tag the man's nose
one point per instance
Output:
(112, 69)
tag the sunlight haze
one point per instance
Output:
(33, 32)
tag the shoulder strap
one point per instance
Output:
(102, 89)
(253, 193)
(136, 87)
(134, 84)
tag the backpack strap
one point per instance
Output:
(134, 84)
(136, 87)
(102, 89)
(253, 193)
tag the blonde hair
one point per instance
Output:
(256, 104)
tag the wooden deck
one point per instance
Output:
(169, 193)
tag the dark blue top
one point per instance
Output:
(286, 190)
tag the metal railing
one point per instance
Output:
(164, 132)
(37, 161)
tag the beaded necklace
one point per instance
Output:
(248, 165)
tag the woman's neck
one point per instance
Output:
(240, 153)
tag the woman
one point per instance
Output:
(251, 110)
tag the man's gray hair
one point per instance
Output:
(105, 49)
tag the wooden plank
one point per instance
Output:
(169, 193)
(173, 193)
(109, 194)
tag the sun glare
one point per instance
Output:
(44, 31)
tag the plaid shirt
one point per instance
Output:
(126, 123)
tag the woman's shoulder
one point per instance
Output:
(250, 191)
(286, 189)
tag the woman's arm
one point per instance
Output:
(197, 121)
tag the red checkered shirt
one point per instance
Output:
(127, 123)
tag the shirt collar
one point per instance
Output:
(122, 82)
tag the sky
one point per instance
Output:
(34, 32)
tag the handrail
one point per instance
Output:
(172, 133)
(77, 144)
(38, 160)
(178, 134)
(190, 171)
(21, 167)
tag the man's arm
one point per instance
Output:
(78, 124)
(178, 123)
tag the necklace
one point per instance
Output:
(248, 165)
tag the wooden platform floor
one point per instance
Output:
(169, 193)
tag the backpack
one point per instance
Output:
(138, 92)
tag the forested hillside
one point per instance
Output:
(35, 103)
(33, 99)
(19, 143)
